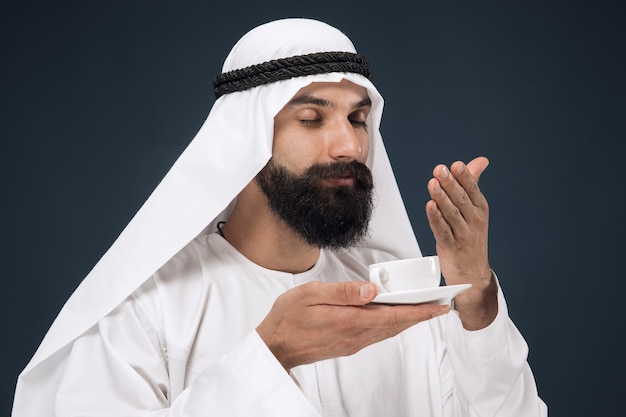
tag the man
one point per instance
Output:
(240, 288)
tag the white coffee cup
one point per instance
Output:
(406, 274)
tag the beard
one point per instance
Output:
(325, 216)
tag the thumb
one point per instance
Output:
(349, 293)
(367, 292)
(477, 166)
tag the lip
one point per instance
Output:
(345, 181)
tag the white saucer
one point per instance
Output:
(438, 295)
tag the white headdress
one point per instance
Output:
(231, 147)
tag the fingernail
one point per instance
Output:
(366, 291)
(441, 312)
(444, 172)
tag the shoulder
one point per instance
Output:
(181, 278)
(173, 299)
(187, 260)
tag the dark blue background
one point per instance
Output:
(99, 98)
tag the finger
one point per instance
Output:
(451, 200)
(477, 166)
(467, 177)
(399, 317)
(440, 227)
(339, 293)
(454, 188)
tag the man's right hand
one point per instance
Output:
(317, 321)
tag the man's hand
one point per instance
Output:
(317, 321)
(459, 218)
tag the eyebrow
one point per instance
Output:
(309, 99)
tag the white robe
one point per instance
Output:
(184, 344)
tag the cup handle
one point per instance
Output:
(379, 276)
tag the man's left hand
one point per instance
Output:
(459, 218)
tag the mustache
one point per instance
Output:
(355, 169)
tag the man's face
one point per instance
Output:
(322, 123)
(317, 181)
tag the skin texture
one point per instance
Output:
(325, 122)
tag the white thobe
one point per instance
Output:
(184, 344)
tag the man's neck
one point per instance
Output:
(255, 231)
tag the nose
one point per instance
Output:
(348, 142)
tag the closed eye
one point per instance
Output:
(359, 123)
(358, 118)
(310, 122)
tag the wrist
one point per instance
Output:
(276, 346)
(478, 306)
